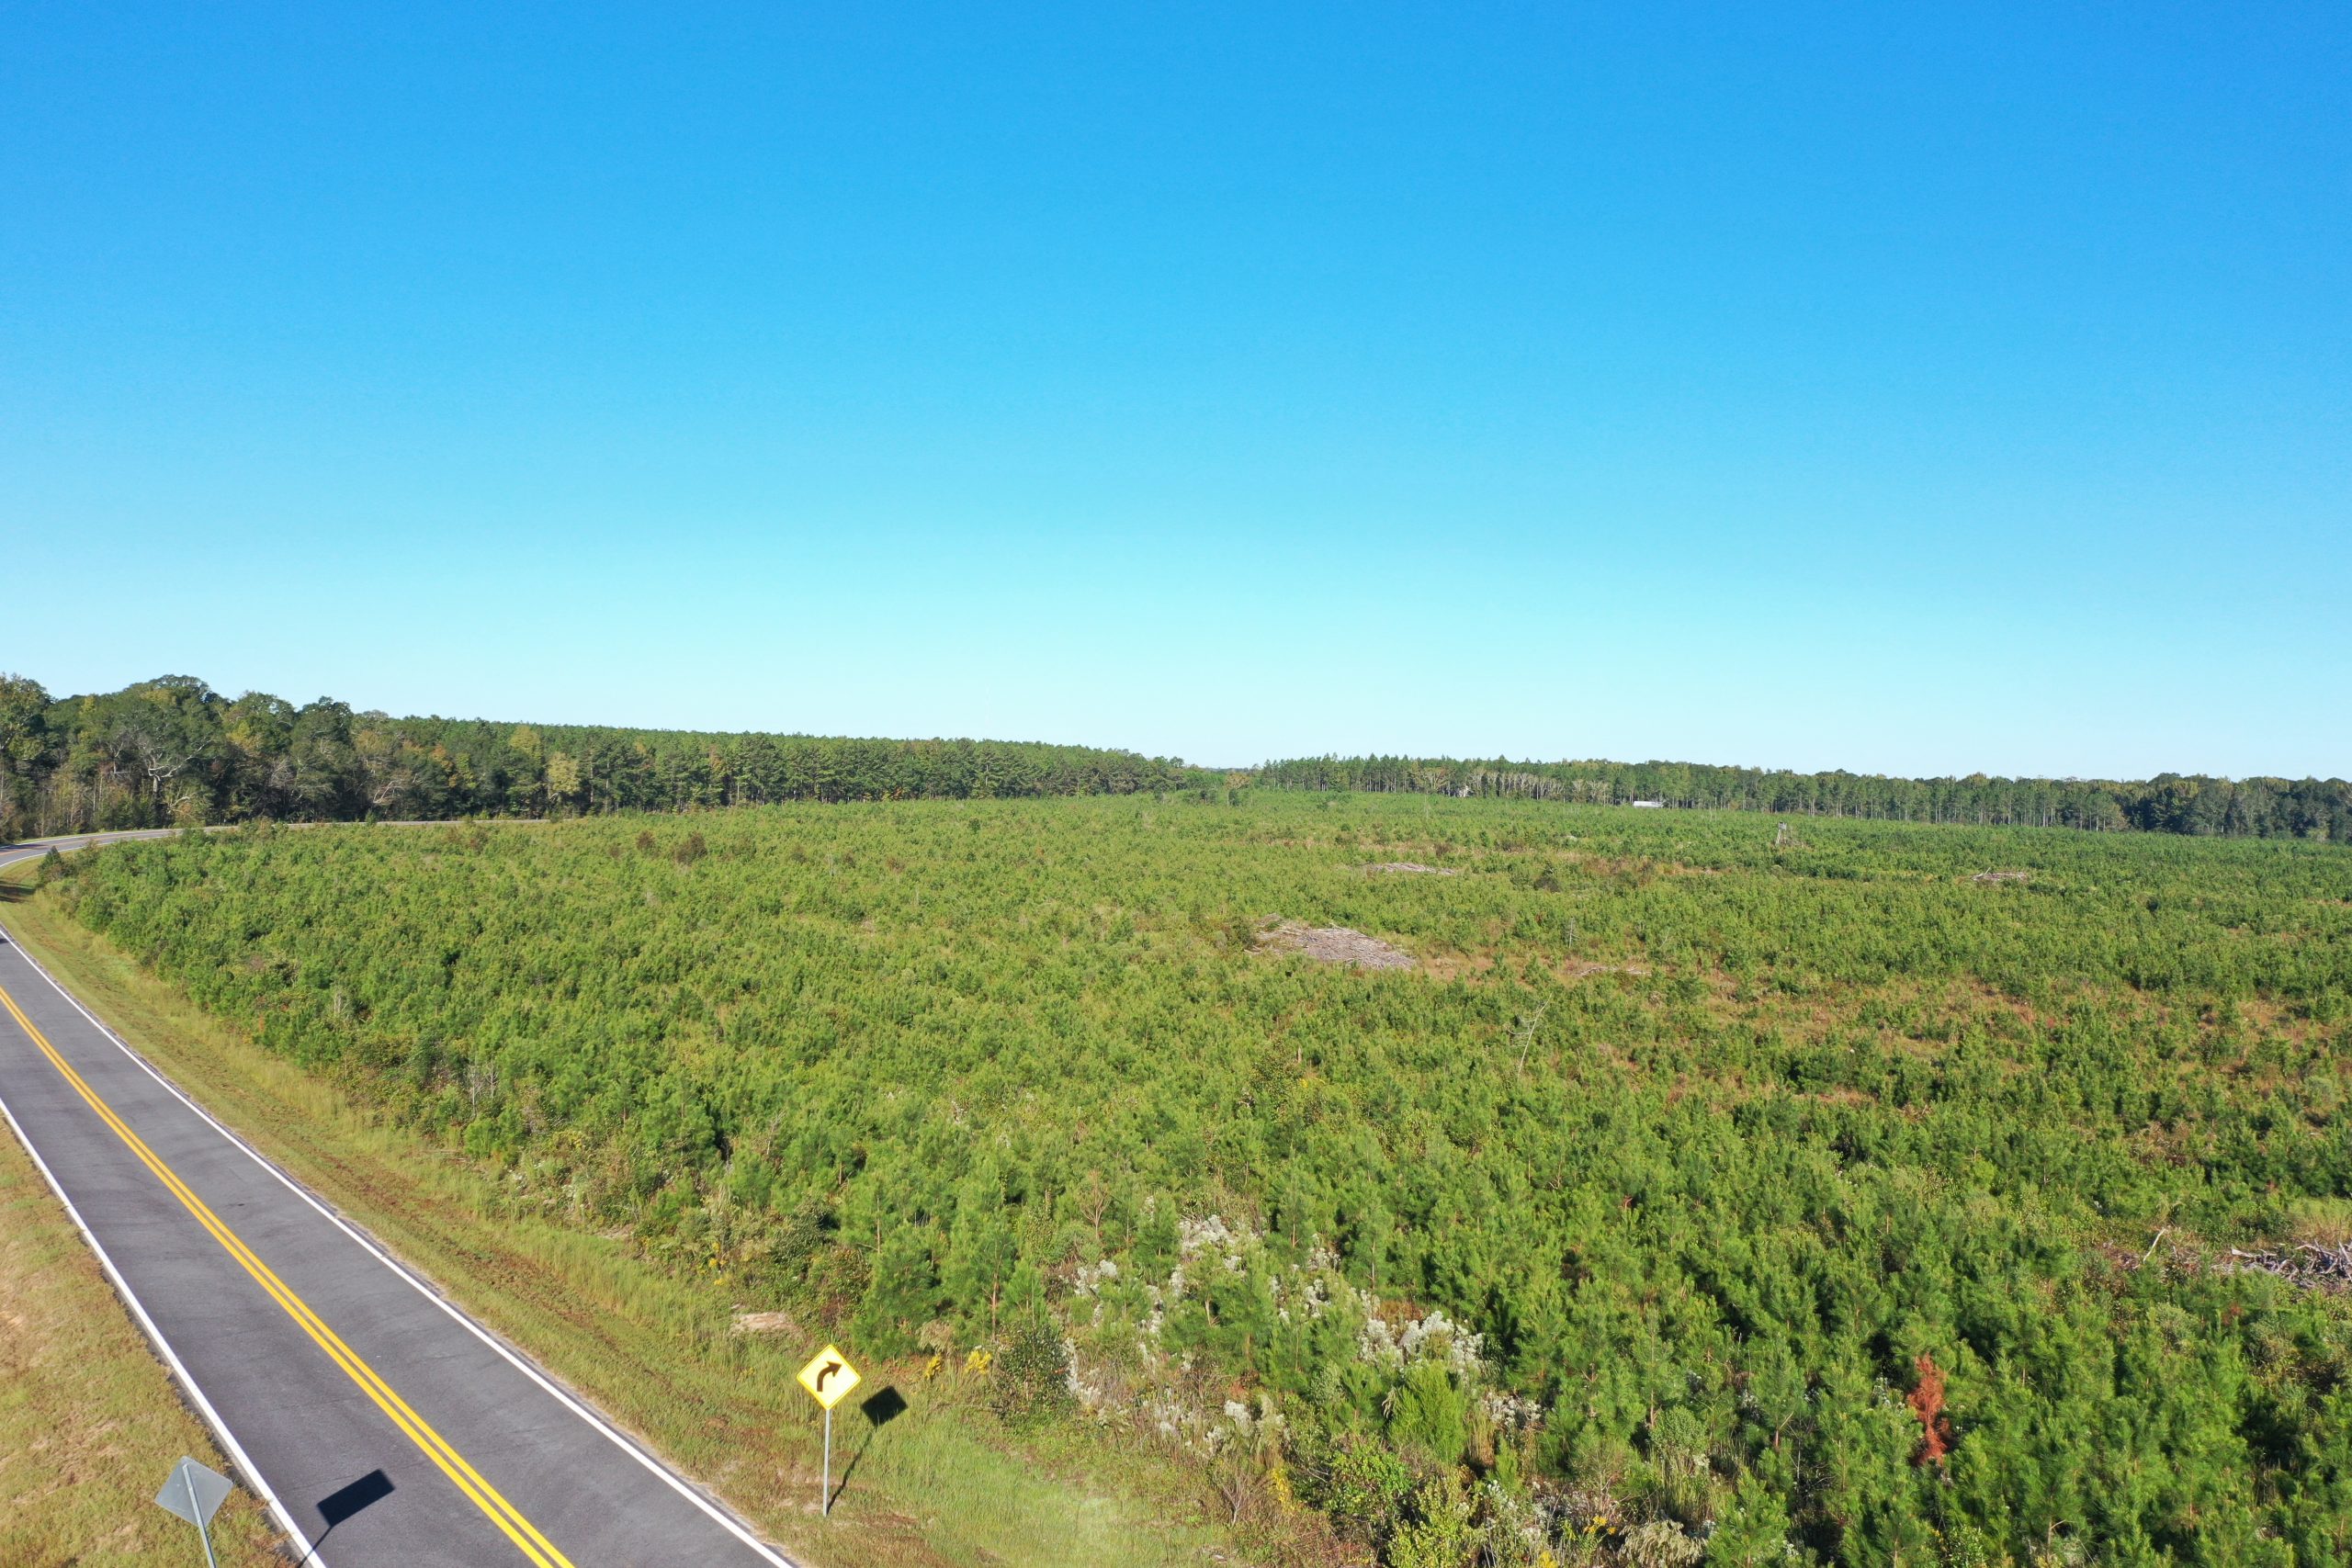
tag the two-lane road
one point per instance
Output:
(327, 1369)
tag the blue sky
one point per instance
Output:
(1880, 387)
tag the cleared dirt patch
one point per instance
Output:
(1333, 945)
(1410, 868)
(2002, 876)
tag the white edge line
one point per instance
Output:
(620, 1439)
(163, 1348)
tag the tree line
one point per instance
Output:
(2169, 802)
(172, 751)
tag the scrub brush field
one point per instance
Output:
(1650, 1187)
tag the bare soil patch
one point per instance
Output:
(1333, 945)
(2002, 876)
(1410, 868)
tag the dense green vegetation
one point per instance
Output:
(1708, 1191)
(2169, 802)
(172, 751)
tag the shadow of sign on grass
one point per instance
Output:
(880, 1410)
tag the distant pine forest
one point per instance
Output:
(2169, 802)
(172, 751)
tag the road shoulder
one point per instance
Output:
(90, 1422)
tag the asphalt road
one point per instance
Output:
(382, 1426)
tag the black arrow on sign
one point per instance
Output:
(828, 1370)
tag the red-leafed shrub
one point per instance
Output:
(1927, 1403)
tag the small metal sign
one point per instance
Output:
(194, 1492)
(829, 1377)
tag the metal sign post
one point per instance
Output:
(193, 1492)
(828, 1377)
(203, 1522)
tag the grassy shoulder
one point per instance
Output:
(934, 1483)
(90, 1421)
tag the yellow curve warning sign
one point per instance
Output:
(829, 1377)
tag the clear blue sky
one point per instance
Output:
(1869, 387)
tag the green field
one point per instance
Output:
(1647, 1217)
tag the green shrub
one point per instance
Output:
(1440, 1533)
(1362, 1486)
(1427, 1414)
(1028, 1379)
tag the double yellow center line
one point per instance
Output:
(501, 1513)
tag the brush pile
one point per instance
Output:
(2314, 1266)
